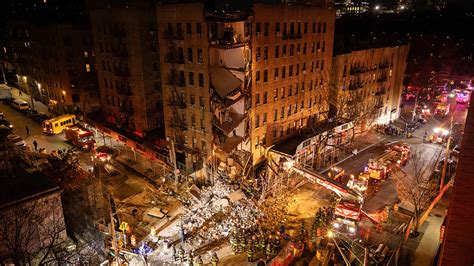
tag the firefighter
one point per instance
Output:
(268, 250)
(233, 243)
(190, 259)
(173, 253)
(276, 244)
(198, 261)
(263, 244)
(214, 259)
(243, 244)
(181, 254)
(250, 253)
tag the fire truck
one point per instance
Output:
(394, 156)
(80, 137)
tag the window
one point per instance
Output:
(305, 29)
(192, 100)
(319, 27)
(283, 72)
(155, 66)
(190, 54)
(257, 77)
(297, 69)
(299, 28)
(277, 28)
(283, 51)
(283, 92)
(318, 46)
(290, 90)
(285, 28)
(292, 46)
(312, 48)
(275, 94)
(257, 142)
(257, 99)
(265, 75)
(282, 113)
(292, 28)
(265, 97)
(277, 51)
(191, 78)
(257, 54)
(264, 119)
(188, 28)
(265, 53)
(275, 73)
(179, 29)
(88, 68)
(200, 60)
(322, 65)
(257, 121)
(170, 29)
(296, 88)
(265, 29)
(312, 66)
(199, 29)
(157, 86)
(324, 27)
(103, 65)
(302, 104)
(106, 83)
(86, 54)
(324, 46)
(257, 28)
(314, 27)
(201, 80)
(289, 111)
(275, 115)
(202, 102)
(290, 71)
(304, 48)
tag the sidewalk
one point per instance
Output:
(429, 244)
(37, 105)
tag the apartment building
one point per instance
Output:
(238, 82)
(366, 85)
(291, 64)
(128, 67)
(55, 63)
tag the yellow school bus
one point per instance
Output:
(58, 124)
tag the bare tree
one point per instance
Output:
(30, 231)
(415, 184)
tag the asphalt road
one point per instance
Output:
(20, 121)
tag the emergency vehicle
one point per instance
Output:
(80, 137)
(442, 109)
(394, 156)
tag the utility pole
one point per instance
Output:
(173, 158)
(446, 157)
(3, 74)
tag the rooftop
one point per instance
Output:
(18, 183)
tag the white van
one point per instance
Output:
(20, 104)
(5, 92)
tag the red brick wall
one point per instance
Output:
(458, 246)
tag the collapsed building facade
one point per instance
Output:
(235, 83)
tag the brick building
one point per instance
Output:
(457, 247)
(55, 63)
(128, 67)
(366, 85)
(237, 82)
(291, 63)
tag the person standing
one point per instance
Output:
(250, 253)
(35, 144)
(261, 262)
(27, 131)
(214, 259)
(198, 261)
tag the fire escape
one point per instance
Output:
(174, 58)
(123, 88)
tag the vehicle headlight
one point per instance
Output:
(11, 126)
(336, 225)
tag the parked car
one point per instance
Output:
(6, 123)
(30, 112)
(40, 117)
(16, 140)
